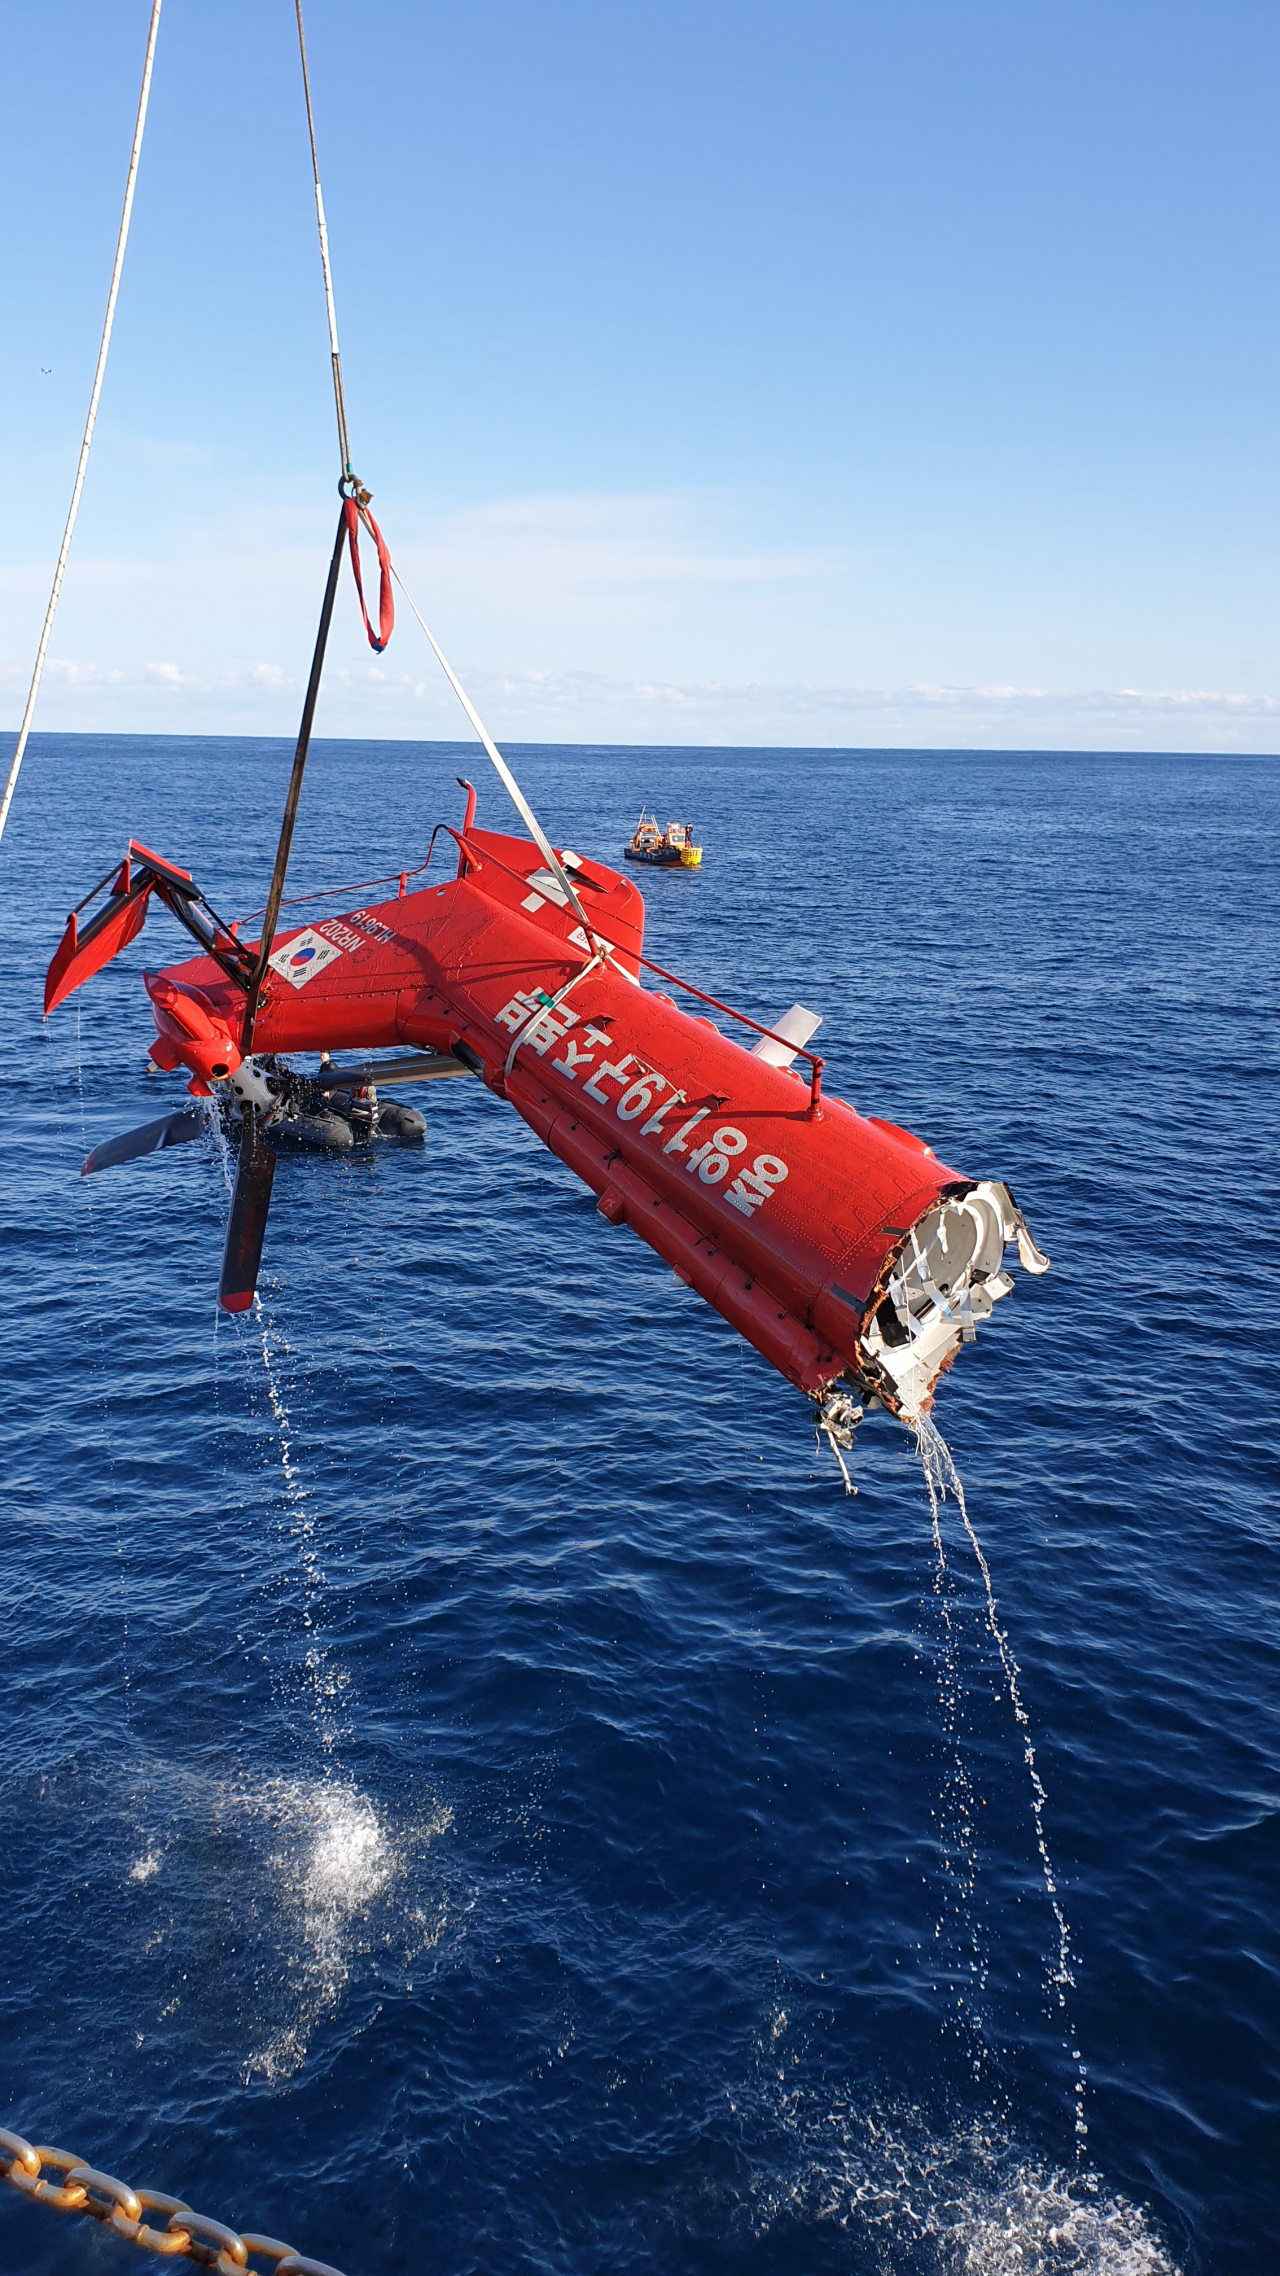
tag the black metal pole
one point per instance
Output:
(276, 895)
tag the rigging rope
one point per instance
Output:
(358, 499)
(357, 506)
(336, 360)
(82, 468)
(521, 803)
(354, 511)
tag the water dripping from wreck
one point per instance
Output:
(943, 1481)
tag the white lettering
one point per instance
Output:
(548, 1027)
(573, 1059)
(766, 1171)
(371, 924)
(752, 1188)
(654, 1122)
(639, 1098)
(616, 1073)
(712, 1159)
(513, 1015)
(677, 1145)
(341, 935)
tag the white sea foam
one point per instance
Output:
(335, 1874)
(278, 1896)
(966, 2202)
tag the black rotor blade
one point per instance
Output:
(169, 1130)
(249, 1205)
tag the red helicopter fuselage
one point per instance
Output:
(835, 1243)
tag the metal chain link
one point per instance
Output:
(184, 2235)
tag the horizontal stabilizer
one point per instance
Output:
(86, 946)
(169, 1130)
(795, 1027)
(80, 954)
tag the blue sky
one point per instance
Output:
(828, 374)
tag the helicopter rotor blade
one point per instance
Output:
(167, 1130)
(247, 1228)
(252, 1197)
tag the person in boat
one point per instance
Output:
(331, 1080)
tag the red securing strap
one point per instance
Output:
(386, 599)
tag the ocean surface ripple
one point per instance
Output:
(477, 1794)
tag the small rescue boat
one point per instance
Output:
(670, 849)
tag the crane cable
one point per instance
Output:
(517, 796)
(339, 400)
(360, 503)
(82, 468)
(348, 477)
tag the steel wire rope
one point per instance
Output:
(348, 475)
(339, 400)
(517, 796)
(82, 467)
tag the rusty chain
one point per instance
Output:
(183, 2235)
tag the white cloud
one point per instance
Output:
(531, 706)
(607, 610)
(598, 552)
(60, 670)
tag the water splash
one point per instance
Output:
(331, 1861)
(963, 2201)
(260, 1905)
(941, 1477)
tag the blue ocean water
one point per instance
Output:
(477, 1793)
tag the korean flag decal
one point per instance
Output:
(302, 957)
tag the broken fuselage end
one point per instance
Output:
(942, 1281)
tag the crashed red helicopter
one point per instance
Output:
(837, 1244)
